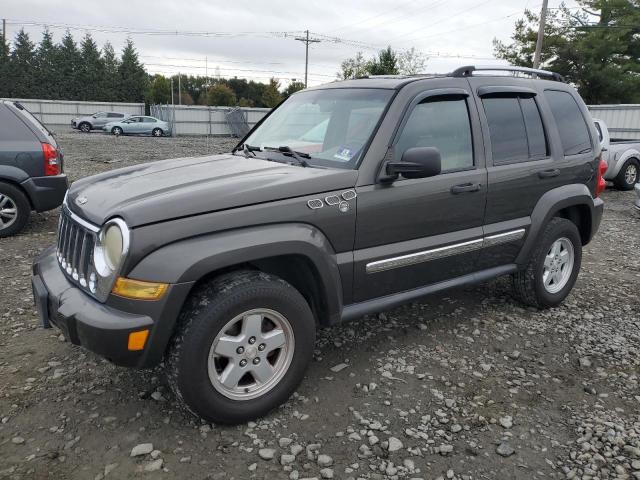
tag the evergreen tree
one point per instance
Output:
(110, 80)
(69, 60)
(271, 96)
(4, 68)
(292, 88)
(21, 75)
(133, 78)
(385, 64)
(159, 90)
(47, 71)
(91, 71)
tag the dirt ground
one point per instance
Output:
(464, 385)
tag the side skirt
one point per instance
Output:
(356, 310)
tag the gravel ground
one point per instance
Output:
(465, 385)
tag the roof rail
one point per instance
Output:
(534, 72)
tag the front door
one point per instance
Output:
(416, 232)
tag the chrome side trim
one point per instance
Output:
(442, 252)
(504, 237)
(424, 256)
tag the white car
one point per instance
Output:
(622, 157)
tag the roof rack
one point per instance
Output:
(534, 72)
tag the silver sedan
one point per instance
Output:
(138, 125)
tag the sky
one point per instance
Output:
(256, 39)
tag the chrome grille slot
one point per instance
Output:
(76, 240)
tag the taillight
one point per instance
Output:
(51, 160)
(601, 185)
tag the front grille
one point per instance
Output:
(76, 241)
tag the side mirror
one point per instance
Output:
(417, 162)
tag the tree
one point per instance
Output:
(597, 49)
(4, 67)
(110, 80)
(22, 80)
(385, 64)
(47, 70)
(355, 67)
(292, 88)
(411, 62)
(91, 70)
(159, 90)
(68, 60)
(132, 75)
(271, 96)
(221, 95)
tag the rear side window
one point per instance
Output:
(35, 123)
(572, 126)
(13, 130)
(149, 120)
(444, 124)
(115, 115)
(515, 128)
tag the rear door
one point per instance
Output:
(416, 232)
(148, 124)
(100, 119)
(133, 125)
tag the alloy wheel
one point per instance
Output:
(558, 265)
(251, 354)
(631, 174)
(8, 211)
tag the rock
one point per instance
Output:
(394, 444)
(445, 449)
(155, 454)
(284, 442)
(505, 450)
(514, 355)
(325, 461)
(585, 362)
(154, 466)
(17, 440)
(142, 449)
(455, 428)
(286, 459)
(326, 473)
(110, 468)
(252, 467)
(267, 453)
(296, 449)
(339, 367)
(506, 422)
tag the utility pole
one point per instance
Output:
(543, 20)
(179, 89)
(4, 29)
(307, 41)
(172, 103)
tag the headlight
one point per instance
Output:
(111, 247)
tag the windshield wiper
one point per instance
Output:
(249, 150)
(287, 151)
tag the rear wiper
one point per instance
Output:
(287, 151)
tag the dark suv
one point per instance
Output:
(347, 199)
(31, 175)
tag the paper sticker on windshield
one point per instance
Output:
(345, 154)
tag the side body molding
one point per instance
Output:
(551, 203)
(191, 259)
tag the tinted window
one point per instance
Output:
(135, 119)
(571, 124)
(443, 124)
(148, 120)
(535, 130)
(35, 123)
(115, 115)
(100, 115)
(12, 129)
(507, 130)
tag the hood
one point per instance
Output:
(163, 190)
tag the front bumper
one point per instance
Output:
(104, 328)
(46, 193)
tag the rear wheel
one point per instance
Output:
(14, 210)
(553, 267)
(628, 175)
(157, 132)
(85, 127)
(117, 131)
(242, 347)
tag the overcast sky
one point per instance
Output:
(256, 39)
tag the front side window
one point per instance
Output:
(572, 126)
(515, 129)
(332, 126)
(444, 124)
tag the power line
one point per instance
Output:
(232, 69)
(306, 40)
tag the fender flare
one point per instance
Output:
(549, 205)
(191, 259)
(12, 174)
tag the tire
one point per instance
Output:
(197, 380)
(529, 284)
(14, 210)
(628, 175)
(117, 131)
(157, 132)
(85, 127)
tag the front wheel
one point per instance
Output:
(117, 131)
(628, 176)
(553, 267)
(85, 127)
(157, 132)
(14, 210)
(242, 346)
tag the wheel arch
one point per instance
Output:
(14, 177)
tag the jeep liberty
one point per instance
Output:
(347, 199)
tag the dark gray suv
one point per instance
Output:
(31, 176)
(347, 199)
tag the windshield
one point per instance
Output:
(332, 126)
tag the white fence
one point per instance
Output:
(623, 120)
(203, 120)
(58, 113)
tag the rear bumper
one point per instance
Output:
(102, 328)
(46, 193)
(596, 215)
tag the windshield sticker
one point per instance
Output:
(345, 153)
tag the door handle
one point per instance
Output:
(554, 172)
(465, 187)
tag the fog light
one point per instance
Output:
(137, 340)
(137, 289)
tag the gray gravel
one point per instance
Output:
(467, 384)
